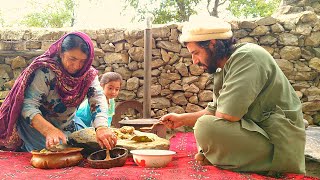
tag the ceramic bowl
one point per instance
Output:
(152, 158)
(54, 160)
(118, 158)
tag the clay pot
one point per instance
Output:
(53, 160)
(118, 158)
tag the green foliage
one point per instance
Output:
(58, 14)
(164, 11)
(253, 8)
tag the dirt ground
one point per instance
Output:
(313, 168)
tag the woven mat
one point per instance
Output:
(16, 165)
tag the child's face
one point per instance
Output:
(111, 89)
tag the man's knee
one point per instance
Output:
(211, 125)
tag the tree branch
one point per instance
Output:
(208, 3)
(222, 2)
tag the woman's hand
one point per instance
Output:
(172, 120)
(106, 137)
(54, 137)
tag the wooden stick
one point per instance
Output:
(107, 155)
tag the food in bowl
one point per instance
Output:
(98, 159)
(86, 138)
(142, 139)
(152, 158)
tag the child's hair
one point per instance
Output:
(110, 76)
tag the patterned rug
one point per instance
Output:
(16, 165)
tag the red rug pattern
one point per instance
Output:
(16, 165)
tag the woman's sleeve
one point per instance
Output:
(98, 104)
(35, 93)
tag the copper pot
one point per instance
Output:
(53, 160)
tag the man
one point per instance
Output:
(255, 123)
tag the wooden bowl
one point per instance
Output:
(118, 158)
(54, 160)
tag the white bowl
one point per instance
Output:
(152, 158)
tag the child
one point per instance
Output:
(111, 83)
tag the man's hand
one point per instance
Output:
(171, 120)
(174, 120)
(106, 137)
(227, 117)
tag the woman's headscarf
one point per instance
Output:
(71, 89)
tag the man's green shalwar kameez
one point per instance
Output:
(270, 135)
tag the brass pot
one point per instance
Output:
(53, 160)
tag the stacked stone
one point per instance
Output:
(177, 84)
(297, 6)
(293, 40)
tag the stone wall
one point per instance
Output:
(297, 6)
(177, 84)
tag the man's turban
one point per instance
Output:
(203, 28)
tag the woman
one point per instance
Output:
(38, 111)
(111, 84)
